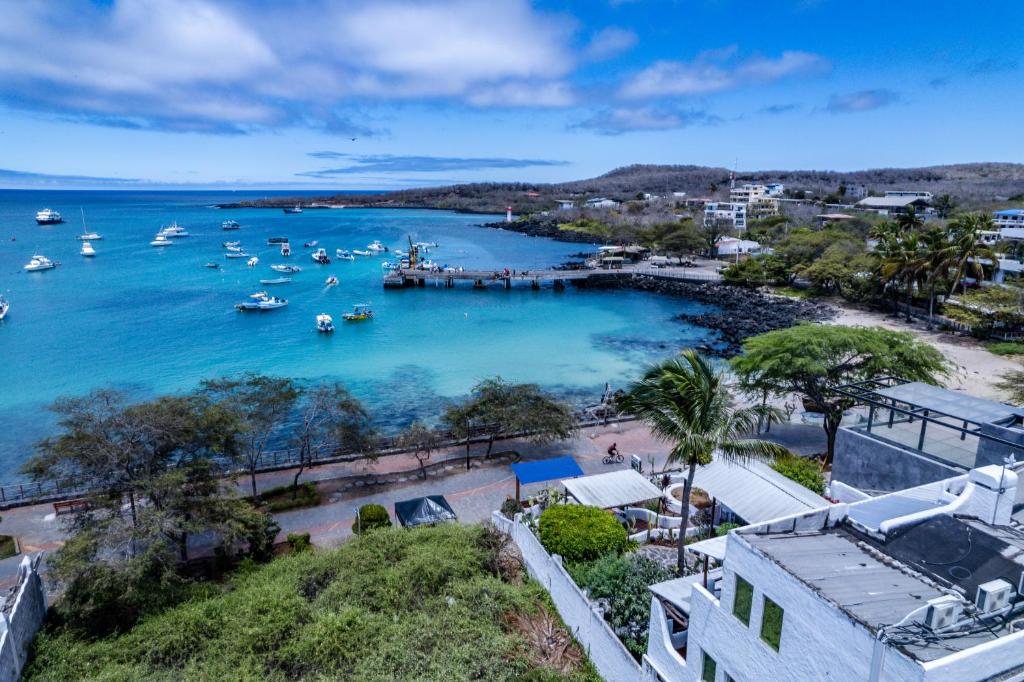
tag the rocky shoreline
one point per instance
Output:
(741, 313)
(546, 229)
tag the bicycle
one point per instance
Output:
(616, 458)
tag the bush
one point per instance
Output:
(509, 508)
(580, 533)
(299, 542)
(285, 497)
(806, 472)
(1005, 347)
(371, 516)
(724, 528)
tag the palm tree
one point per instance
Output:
(889, 250)
(685, 403)
(909, 221)
(939, 256)
(904, 261)
(969, 249)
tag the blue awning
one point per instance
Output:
(547, 469)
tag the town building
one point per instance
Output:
(893, 204)
(761, 200)
(920, 585)
(730, 215)
(601, 202)
(916, 194)
(731, 246)
(856, 192)
(744, 193)
(1011, 217)
(775, 189)
(565, 204)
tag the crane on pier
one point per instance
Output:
(413, 253)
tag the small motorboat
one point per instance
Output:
(40, 263)
(360, 311)
(362, 253)
(4, 307)
(400, 253)
(320, 256)
(230, 225)
(160, 240)
(376, 246)
(87, 250)
(388, 265)
(234, 249)
(252, 262)
(236, 254)
(285, 268)
(342, 254)
(332, 281)
(324, 323)
(310, 245)
(90, 237)
(212, 266)
(261, 301)
(286, 249)
(272, 302)
(230, 245)
(277, 240)
(277, 280)
(293, 209)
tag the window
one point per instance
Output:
(742, 600)
(707, 668)
(771, 623)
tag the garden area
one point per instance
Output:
(443, 603)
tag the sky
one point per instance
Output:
(380, 94)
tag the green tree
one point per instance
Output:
(746, 273)
(909, 221)
(812, 360)
(1013, 383)
(330, 418)
(496, 407)
(261, 404)
(685, 403)
(968, 248)
(939, 255)
(944, 205)
(421, 441)
(904, 260)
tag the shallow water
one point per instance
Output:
(155, 320)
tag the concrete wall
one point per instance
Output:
(867, 463)
(662, 661)
(613, 661)
(23, 615)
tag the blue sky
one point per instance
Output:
(395, 93)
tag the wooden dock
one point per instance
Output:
(483, 279)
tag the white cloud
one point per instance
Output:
(717, 70)
(864, 100)
(631, 119)
(524, 94)
(609, 42)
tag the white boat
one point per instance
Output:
(271, 302)
(87, 236)
(376, 246)
(294, 209)
(4, 307)
(48, 217)
(87, 250)
(286, 249)
(362, 253)
(400, 253)
(230, 225)
(174, 231)
(234, 249)
(236, 254)
(160, 240)
(324, 323)
(252, 262)
(40, 263)
(388, 265)
(342, 254)
(228, 245)
(332, 281)
(285, 268)
(320, 256)
(277, 280)
(310, 245)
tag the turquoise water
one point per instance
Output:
(153, 320)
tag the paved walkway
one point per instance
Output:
(473, 494)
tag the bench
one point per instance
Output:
(71, 506)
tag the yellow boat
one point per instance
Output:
(360, 311)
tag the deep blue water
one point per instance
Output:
(155, 320)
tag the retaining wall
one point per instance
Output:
(23, 613)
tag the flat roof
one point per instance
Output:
(953, 403)
(614, 489)
(1010, 212)
(891, 202)
(755, 491)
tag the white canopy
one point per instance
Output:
(614, 489)
(712, 547)
(755, 491)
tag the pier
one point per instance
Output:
(484, 279)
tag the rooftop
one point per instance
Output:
(891, 202)
(755, 491)
(1010, 212)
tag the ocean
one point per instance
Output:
(154, 320)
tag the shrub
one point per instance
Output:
(724, 528)
(285, 497)
(509, 508)
(806, 472)
(1005, 347)
(371, 516)
(580, 533)
(299, 542)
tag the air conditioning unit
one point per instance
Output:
(943, 612)
(993, 595)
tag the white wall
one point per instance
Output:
(22, 617)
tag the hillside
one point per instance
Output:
(972, 184)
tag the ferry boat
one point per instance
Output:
(161, 240)
(293, 209)
(48, 217)
(360, 311)
(4, 307)
(40, 263)
(285, 268)
(230, 225)
(320, 256)
(87, 250)
(324, 323)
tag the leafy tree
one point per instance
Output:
(497, 407)
(968, 248)
(1013, 383)
(939, 255)
(261, 404)
(812, 360)
(686, 404)
(330, 417)
(421, 440)
(580, 533)
(749, 272)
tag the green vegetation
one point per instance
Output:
(423, 604)
(724, 528)
(1005, 347)
(812, 360)
(1013, 383)
(804, 471)
(299, 542)
(771, 623)
(285, 497)
(622, 582)
(594, 228)
(371, 517)
(580, 533)
(743, 600)
(8, 547)
(685, 403)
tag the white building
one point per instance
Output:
(1011, 217)
(732, 215)
(775, 189)
(565, 204)
(601, 202)
(730, 246)
(921, 585)
(747, 191)
(916, 194)
(856, 192)
(761, 200)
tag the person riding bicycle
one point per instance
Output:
(613, 450)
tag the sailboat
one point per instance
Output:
(86, 235)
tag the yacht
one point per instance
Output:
(4, 307)
(320, 256)
(376, 246)
(285, 268)
(324, 323)
(342, 254)
(86, 235)
(174, 231)
(48, 217)
(40, 263)
(286, 249)
(87, 250)
(293, 209)
(161, 240)
(362, 253)
(230, 225)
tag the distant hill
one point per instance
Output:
(970, 183)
